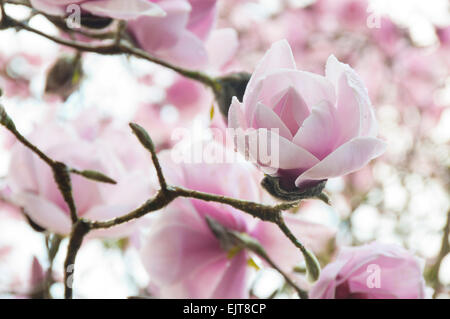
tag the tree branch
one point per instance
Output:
(61, 175)
(433, 272)
(117, 46)
(79, 230)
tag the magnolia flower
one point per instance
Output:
(115, 9)
(444, 35)
(188, 94)
(179, 36)
(33, 186)
(186, 260)
(326, 124)
(190, 97)
(374, 271)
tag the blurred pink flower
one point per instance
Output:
(186, 260)
(327, 126)
(116, 9)
(33, 186)
(37, 274)
(16, 72)
(179, 36)
(444, 36)
(388, 37)
(190, 97)
(374, 271)
(184, 92)
(351, 13)
(419, 74)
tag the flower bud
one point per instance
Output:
(64, 76)
(96, 176)
(312, 265)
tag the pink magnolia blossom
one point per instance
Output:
(6, 206)
(108, 151)
(116, 9)
(351, 13)
(388, 37)
(444, 35)
(418, 75)
(16, 73)
(179, 36)
(37, 275)
(326, 124)
(374, 271)
(186, 260)
(188, 96)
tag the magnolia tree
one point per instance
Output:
(252, 166)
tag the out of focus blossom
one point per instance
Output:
(186, 260)
(374, 271)
(116, 9)
(178, 37)
(109, 151)
(444, 36)
(189, 97)
(16, 73)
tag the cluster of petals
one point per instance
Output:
(324, 125)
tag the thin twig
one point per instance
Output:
(117, 46)
(61, 175)
(302, 293)
(79, 230)
(231, 239)
(147, 142)
(161, 200)
(433, 272)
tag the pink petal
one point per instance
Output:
(286, 155)
(355, 113)
(325, 288)
(45, 213)
(53, 7)
(265, 117)
(400, 278)
(279, 56)
(292, 110)
(233, 284)
(189, 52)
(236, 115)
(348, 158)
(319, 132)
(180, 243)
(126, 10)
(221, 46)
(156, 33)
(21, 170)
(202, 17)
(313, 88)
(37, 275)
(203, 282)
